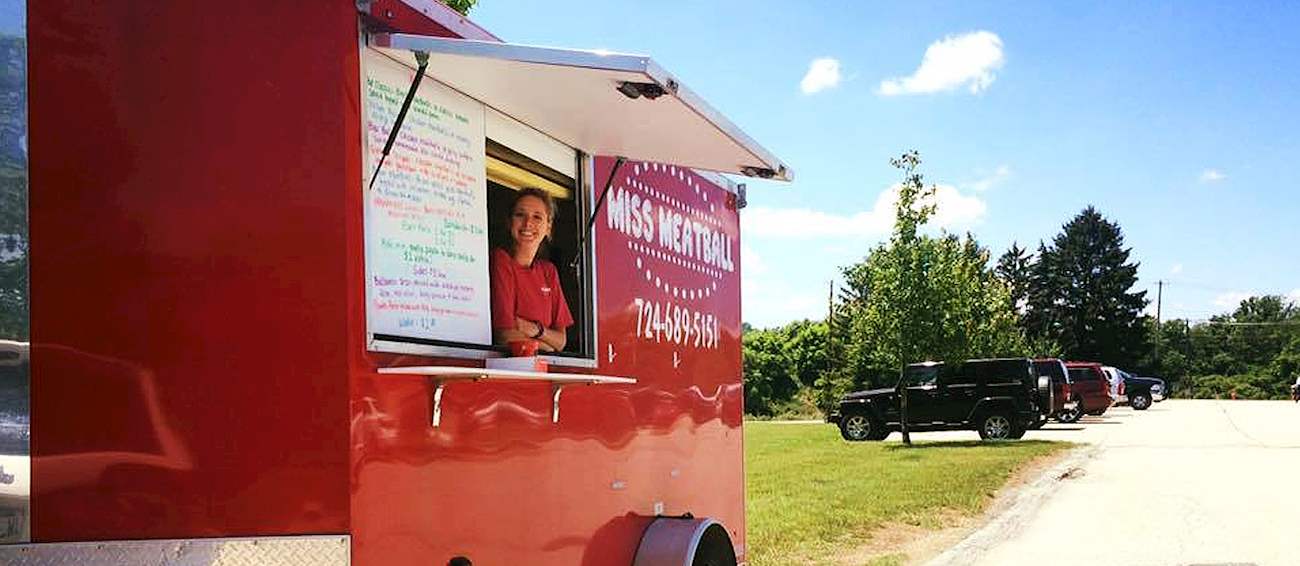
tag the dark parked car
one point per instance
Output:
(1142, 391)
(1089, 389)
(998, 398)
(1059, 400)
(1160, 391)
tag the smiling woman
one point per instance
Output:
(533, 200)
(527, 297)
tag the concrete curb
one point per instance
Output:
(1017, 512)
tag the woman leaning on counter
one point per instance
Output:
(527, 300)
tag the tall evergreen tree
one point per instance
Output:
(1014, 269)
(1081, 294)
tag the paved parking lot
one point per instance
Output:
(1186, 482)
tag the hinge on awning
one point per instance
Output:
(422, 58)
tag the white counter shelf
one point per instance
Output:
(440, 375)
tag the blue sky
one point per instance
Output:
(13, 19)
(1180, 121)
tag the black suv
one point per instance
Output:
(999, 398)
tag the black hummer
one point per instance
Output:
(998, 398)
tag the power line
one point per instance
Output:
(1206, 321)
(1231, 323)
(1216, 288)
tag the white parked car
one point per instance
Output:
(1115, 377)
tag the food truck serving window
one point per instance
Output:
(441, 204)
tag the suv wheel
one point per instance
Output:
(1140, 401)
(856, 427)
(1071, 415)
(997, 426)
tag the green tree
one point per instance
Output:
(779, 363)
(1081, 296)
(461, 6)
(1261, 330)
(1014, 267)
(917, 297)
(769, 376)
(805, 346)
(1285, 367)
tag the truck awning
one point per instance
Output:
(600, 103)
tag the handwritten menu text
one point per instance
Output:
(426, 216)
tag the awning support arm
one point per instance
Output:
(586, 234)
(422, 58)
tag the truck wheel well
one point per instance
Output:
(983, 408)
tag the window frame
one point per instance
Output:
(585, 355)
(963, 372)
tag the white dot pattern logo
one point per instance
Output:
(647, 256)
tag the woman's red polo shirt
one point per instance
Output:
(531, 293)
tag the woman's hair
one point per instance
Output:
(539, 194)
(544, 196)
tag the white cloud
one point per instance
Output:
(751, 262)
(1212, 176)
(957, 60)
(822, 74)
(1294, 296)
(1000, 174)
(773, 303)
(1176, 269)
(954, 209)
(1231, 299)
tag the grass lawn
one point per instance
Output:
(811, 495)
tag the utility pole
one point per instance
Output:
(830, 305)
(831, 353)
(1160, 289)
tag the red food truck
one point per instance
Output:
(261, 327)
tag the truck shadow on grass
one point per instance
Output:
(925, 445)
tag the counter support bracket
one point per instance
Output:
(556, 389)
(438, 385)
(440, 375)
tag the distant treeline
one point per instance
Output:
(919, 297)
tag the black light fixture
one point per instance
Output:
(636, 90)
(760, 172)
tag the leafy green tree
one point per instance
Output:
(1175, 362)
(805, 346)
(780, 362)
(1285, 367)
(461, 6)
(769, 378)
(917, 297)
(1261, 330)
(1082, 296)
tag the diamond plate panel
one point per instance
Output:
(267, 551)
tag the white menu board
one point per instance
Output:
(426, 216)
